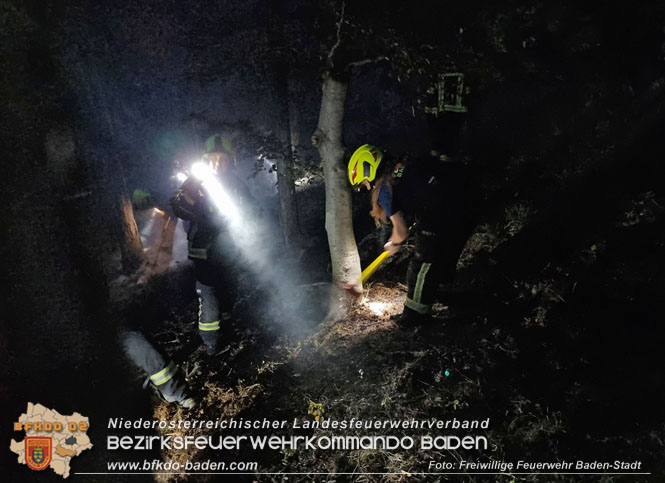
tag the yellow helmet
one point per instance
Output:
(364, 163)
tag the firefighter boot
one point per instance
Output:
(161, 374)
(210, 341)
(411, 318)
(171, 388)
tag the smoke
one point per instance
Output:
(278, 277)
(274, 278)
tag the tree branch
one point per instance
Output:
(339, 35)
(358, 63)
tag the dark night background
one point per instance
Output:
(555, 325)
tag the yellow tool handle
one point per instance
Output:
(372, 267)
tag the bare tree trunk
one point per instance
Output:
(287, 206)
(131, 248)
(115, 192)
(293, 127)
(294, 116)
(285, 183)
(339, 226)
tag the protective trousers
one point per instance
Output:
(209, 315)
(216, 289)
(164, 376)
(434, 262)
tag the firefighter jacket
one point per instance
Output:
(206, 226)
(436, 195)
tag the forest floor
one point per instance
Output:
(543, 401)
(561, 365)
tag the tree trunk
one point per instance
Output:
(108, 172)
(131, 248)
(287, 205)
(339, 216)
(294, 116)
(285, 183)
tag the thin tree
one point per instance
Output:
(327, 139)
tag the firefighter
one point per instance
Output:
(210, 242)
(432, 192)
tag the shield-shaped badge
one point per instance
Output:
(38, 452)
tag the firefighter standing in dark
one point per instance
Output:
(433, 193)
(210, 241)
(215, 258)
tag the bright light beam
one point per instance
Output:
(214, 188)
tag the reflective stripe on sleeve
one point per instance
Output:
(164, 375)
(201, 253)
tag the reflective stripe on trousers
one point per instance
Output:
(418, 307)
(415, 302)
(208, 326)
(209, 316)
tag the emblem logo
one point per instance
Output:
(38, 452)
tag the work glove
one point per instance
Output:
(392, 247)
